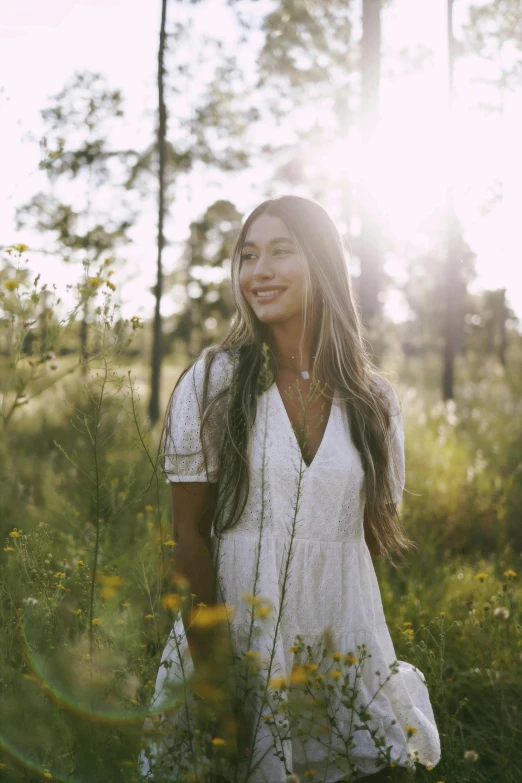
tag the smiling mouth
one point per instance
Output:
(268, 295)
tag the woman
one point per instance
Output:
(284, 447)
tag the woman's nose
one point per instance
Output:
(263, 267)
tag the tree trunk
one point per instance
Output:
(452, 270)
(370, 252)
(84, 334)
(157, 331)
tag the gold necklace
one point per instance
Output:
(303, 373)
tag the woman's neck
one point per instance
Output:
(285, 340)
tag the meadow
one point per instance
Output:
(89, 593)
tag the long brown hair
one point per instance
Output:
(342, 363)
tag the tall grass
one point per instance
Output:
(90, 596)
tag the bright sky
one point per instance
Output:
(41, 44)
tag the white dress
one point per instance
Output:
(330, 584)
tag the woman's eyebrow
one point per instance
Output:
(272, 241)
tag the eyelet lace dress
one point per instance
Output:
(314, 569)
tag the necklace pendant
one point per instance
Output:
(305, 375)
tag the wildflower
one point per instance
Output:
(337, 656)
(149, 617)
(20, 247)
(248, 598)
(410, 730)
(408, 633)
(298, 675)
(309, 773)
(95, 282)
(14, 534)
(335, 675)
(80, 562)
(171, 601)
(211, 615)
(251, 654)
(311, 667)
(293, 649)
(471, 755)
(59, 575)
(218, 741)
(169, 542)
(267, 718)
(47, 774)
(9, 549)
(149, 508)
(501, 612)
(481, 575)
(263, 611)
(278, 683)
(126, 604)
(97, 621)
(79, 611)
(11, 285)
(110, 285)
(30, 601)
(350, 659)
(406, 623)
(510, 574)
(442, 614)
(487, 606)
(111, 580)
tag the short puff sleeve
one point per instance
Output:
(185, 459)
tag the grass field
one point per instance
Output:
(86, 565)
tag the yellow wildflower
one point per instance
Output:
(95, 281)
(47, 774)
(80, 562)
(218, 741)
(210, 615)
(126, 604)
(293, 649)
(263, 611)
(251, 654)
(510, 574)
(442, 614)
(169, 542)
(97, 621)
(311, 667)
(79, 611)
(481, 575)
(406, 623)
(149, 617)
(9, 549)
(410, 730)
(149, 508)
(250, 599)
(335, 674)
(278, 683)
(266, 718)
(14, 534)
(338, 656)
(350, 659)
(298, 675)
(59, 575)
(171, 601)
(11, 285)
(111, 580)
(408, 633)
(21, 248)
(110, 285)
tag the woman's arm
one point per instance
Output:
(193, 506)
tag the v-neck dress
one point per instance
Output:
(313, 569)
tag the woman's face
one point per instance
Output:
(271, 275)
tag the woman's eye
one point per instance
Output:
(245, 256)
